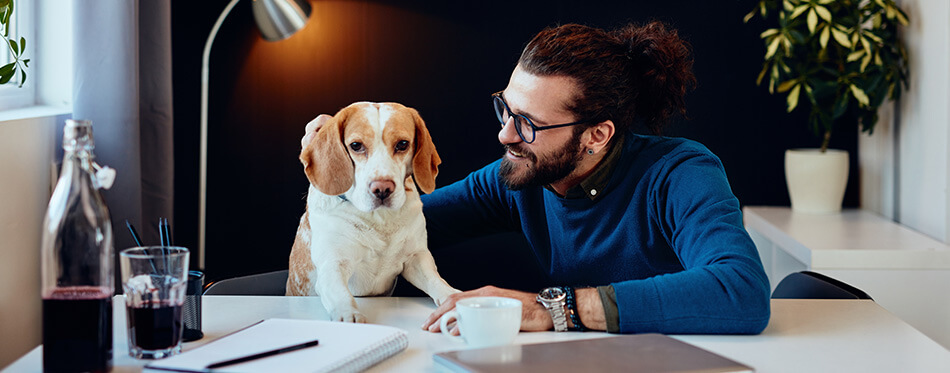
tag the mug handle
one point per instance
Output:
(444, 321)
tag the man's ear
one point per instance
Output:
(325, 160)
(599, 135)
(425, 160)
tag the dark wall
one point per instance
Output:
(445, 59)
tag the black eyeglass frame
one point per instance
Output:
(497, 97)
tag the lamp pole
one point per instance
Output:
(203, 162)
(277, 20)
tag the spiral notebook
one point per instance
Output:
(343, 347)
(628, 353)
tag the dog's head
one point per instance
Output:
(366, 153)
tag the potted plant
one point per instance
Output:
(8, 71)
(839, 59)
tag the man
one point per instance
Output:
(639, 233)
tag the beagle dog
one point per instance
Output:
(363, 225)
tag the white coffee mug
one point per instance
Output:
(485, 321)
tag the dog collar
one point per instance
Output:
(343, 197)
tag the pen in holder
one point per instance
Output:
(191, 313)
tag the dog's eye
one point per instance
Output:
(402, 145)
(356, 146)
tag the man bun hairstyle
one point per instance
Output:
(628, 75)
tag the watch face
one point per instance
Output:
(553, 294)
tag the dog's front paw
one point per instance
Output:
(353, 316)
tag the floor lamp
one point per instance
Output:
(277, 20)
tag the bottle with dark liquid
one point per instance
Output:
(77, 263)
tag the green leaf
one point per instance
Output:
(773, 46)
(860, 95)
(7, 69)
(786, 85)
(22, 78)
(793, 98)
(841, 37)
(874, 37)
(26, 62)
(6, 78)
(787, 5)
(6, 18)
(840, 106)
(865, 62)
(811, 95)
(22, 45)
(769, 32)
(901, 16)
(823, 13)
(15, 47)
(765, 69)
(825, 2)
(798, 11)
(823, 38)
(812, 21)
(854, 56)
(773, 78)
(784, 67)
(748, 16)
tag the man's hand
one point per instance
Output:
(312, 129)
(534, 317)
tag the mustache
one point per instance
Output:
(524, 152)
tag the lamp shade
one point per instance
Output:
(278, 19)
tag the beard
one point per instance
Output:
(542, 170)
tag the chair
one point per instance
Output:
(812, 285)
(270, 283)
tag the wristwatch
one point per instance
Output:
(554, 299)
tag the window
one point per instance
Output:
(21, 25)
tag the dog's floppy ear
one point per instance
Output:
(325, 160)
(425, 161)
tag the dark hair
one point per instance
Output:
(635, 73)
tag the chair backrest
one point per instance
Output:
(270, 283)
(812, 285)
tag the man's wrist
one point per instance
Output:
(574, 318)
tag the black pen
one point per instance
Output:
(162, 238)
(135, 235)
(263, 354)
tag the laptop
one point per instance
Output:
(627, 353)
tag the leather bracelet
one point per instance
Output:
(571, 303)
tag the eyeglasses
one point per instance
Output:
(524, 126)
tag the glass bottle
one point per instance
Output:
(77, 263)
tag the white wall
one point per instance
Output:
(904, 168)
(26, 152)
(27, 145)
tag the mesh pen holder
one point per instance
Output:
(191, 313)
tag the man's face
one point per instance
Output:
(554, 153)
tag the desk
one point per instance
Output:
(803, 335)
(905, 271)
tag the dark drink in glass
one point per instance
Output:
(77, 330)
(154, 325)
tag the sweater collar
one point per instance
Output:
(594, 184)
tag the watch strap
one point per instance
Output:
(557, 311)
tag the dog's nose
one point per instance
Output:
(382, 188)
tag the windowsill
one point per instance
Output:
(33, 112)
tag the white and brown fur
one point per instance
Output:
(363, 225)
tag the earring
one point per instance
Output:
(590, 151)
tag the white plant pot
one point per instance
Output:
(816, 180)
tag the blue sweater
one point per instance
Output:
(666, 233)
